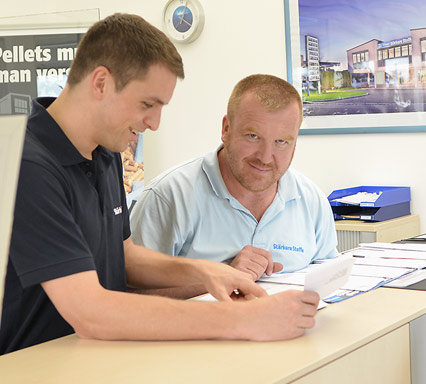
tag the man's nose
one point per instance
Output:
(152, 121)
(265, 153)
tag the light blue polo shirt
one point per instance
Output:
(188, 211)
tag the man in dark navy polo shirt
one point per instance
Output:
(71, 257)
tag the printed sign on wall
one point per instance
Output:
(33, 65)
(38, 65)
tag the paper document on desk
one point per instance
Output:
(383, 272)
(330, 276)
(387, 262)
(394, 246)
(407, 280)
(397, 252)
(296, 278)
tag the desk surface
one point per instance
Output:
(341, 328)
(375, 226)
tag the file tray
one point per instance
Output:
(391, 202)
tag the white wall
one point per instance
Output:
(240, 38)
(340, 161)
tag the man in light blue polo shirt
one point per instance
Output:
(242, 204)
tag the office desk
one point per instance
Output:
(362, 340)
(350, 233)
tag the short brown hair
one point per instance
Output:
(271, 91)
(127, 45)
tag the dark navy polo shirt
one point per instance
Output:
(70, 216)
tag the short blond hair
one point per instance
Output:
(272, 92)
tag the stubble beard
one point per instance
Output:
(251, 182)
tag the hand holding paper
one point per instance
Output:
(330, 276)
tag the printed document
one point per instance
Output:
(330, 276)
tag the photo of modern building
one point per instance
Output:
(396, 63)
(362, 57)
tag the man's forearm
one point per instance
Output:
(141, 317)
(95, 312)
(149, 269)
(182, 293)
(126, 316)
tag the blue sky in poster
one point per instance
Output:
(343, 24)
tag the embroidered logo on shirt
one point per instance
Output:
(118, 210)
(288, 248)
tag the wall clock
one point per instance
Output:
(183, 20)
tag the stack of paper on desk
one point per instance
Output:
(410, 256)
(370, 266)
(375, 264)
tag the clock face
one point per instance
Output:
(183, 20)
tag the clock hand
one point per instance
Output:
(187, 22)
(183, 15)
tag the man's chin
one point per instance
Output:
(258, 187)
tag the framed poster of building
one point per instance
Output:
(360, 65)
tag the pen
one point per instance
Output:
(415, 239)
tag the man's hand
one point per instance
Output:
(256, 262)
(226, 283)
(282, 316)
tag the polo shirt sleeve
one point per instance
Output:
(154, 223)
(46, 242)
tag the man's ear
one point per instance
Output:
(100, 80)
(225, 128)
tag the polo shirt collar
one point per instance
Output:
(47, 130)
(287, 187)
(212, 170)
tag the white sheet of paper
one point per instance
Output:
(270, 288)
(403, 247)
(390, 253)
(360, 197)
(206, 297)
(404, 281)
(379, 271)
(297, 278)
(329, 276)
(362, 283)
(384, 262)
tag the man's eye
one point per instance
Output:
(282, 142)
(252, 136)
(147, 105)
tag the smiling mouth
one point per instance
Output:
(259, 168)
